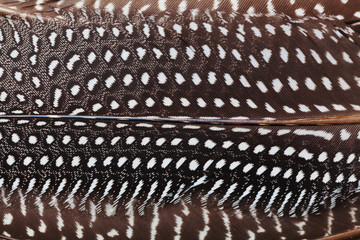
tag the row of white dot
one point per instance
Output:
(210, 144)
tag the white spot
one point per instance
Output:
(254, 62)
(222, 52)
(190, 52)
(79, 230)
(339, 178)
(288, 173)
(234, 165)
(220, 164)
(193, 165)
(284, 54)
(158, 53)
(57, 95)
(121, 161)
(236, 54)
(184, 102)
(243, 146)
(339, 107)
(44, 160)
(289, 109)
(266, 54)
(261, 170)
(299, 176)
(7, 219)
(177, 28)
(132, 103)
(228, 79)
(18, 76)
(314, 175)
(201, 102)
(193, 141)
(322, 108)
(300, 12)
(125, 54)
(145, 77)
(210, 144)
(234, 102)
(167, 101)
(75, 161)
(224, 31)
(259, 148)
(352, 178)
(316, 56)
(166, 162)
(251, 104)
(42, 227)
(129, 28)
(85, 33)
(347, 58)
(289, 151)
(91, 84)
(300, 55)
(136, 162)
(344, 134)
(49, 139)
(261, 86)
(14, 54)
(327, 83)
(160, 141)
(30, 232)
(107, 161)
(248, 167)
(27, 160)
(113, 233)
(128, 79)
(287, 29)
(256, 31)
(196, 78)
(306, 155)
(343, 84)
(182, 6)
(270, 29)
(15, 138)
(108, 56)
(318, 34)
(331, 58)
(322, 157)
(275, 171)
(310, 84)
(277, 85)
(115, 31)
(244, 81)
(326, 177)
(173, 53)
(72, 61)
(218, 102)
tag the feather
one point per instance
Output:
(347, 10)
(150, 120)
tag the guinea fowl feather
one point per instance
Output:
(179, 119)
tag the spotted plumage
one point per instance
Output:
(179, 120)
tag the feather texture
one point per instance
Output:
(142, 120)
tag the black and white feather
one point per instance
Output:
(179, 119)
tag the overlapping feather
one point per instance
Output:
(154, 101)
